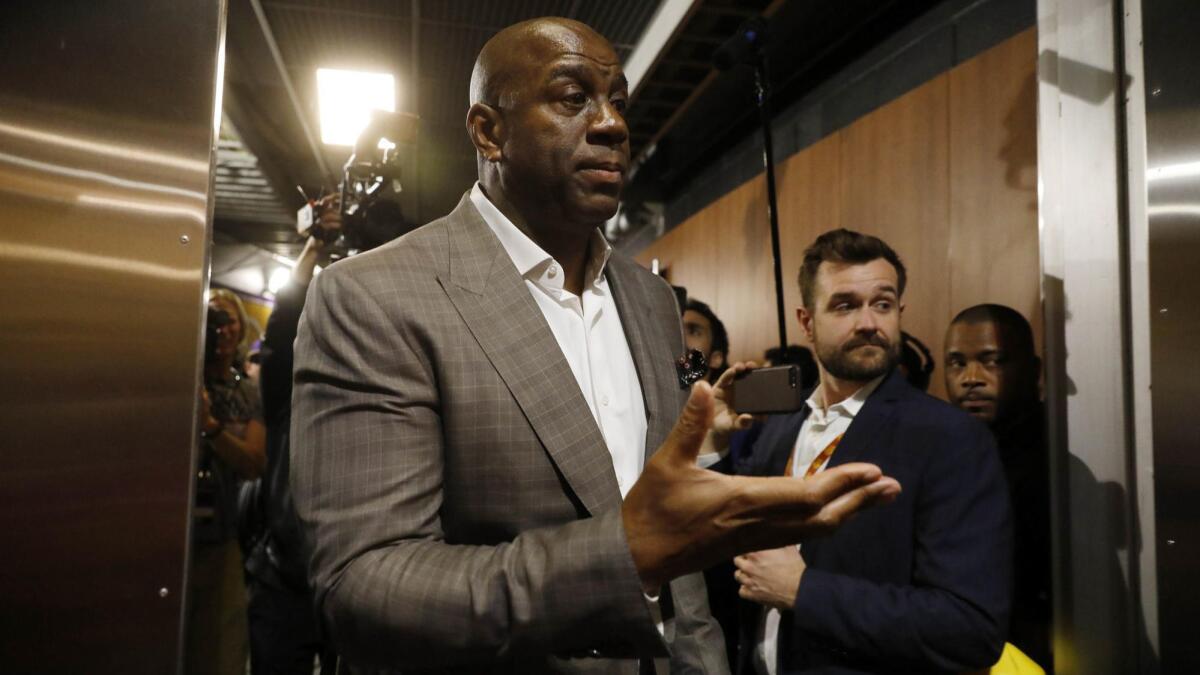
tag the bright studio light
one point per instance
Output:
(279, 277)
(346, 99)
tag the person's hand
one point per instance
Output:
(680, 518)
(726, 420)
(328, 213)
(770, 577)
(209, 425)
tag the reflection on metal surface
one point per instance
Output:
(1098, 626)
(1185, 170)
(126, 152)
(1173, 189)
(106, 135)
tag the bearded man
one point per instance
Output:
(921, 585)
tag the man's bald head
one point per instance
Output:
(506, 57)
(547, 122)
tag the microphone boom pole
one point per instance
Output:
(746, 46)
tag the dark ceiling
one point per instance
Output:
(683, 113)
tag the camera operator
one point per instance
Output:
(232, 450)
(284, 635)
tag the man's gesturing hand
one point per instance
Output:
(680, 518)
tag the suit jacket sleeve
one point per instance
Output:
(954, 615)
(367, 477)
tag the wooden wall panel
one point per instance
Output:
(993, 247)
(722, 255)
(809, 205)
(895, 185)
(946, 174)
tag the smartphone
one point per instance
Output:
(765, 391)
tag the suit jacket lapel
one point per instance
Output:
(865, 433)
(784, 446)
(495, 304)
(651, 354)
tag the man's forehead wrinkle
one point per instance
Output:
(615, 63)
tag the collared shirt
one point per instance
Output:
(588, 330)
(820, 428)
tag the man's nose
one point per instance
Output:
(866, 321)
(972, 375)
(608, 125)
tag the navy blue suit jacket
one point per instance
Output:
(921, 585)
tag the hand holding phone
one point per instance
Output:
(765, 391)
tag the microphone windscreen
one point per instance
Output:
(743, 46)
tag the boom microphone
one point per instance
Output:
(745, 46)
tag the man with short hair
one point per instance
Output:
(704, 332)
(992, 372)
(477, 409)
(921, 585)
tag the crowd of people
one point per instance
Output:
(470, 451)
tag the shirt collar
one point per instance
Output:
(848, 407)
(532, 261)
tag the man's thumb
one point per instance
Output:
(687, 436)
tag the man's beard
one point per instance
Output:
(839, 361)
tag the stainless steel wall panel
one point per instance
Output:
(107, 129)
(1099, 627)
(1172, 93)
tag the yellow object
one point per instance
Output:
(1013, 661)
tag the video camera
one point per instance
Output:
(371, 215)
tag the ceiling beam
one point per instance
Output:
(664, 27)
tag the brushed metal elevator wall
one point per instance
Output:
(1172, 54)
(107, 124)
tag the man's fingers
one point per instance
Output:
(744, 422)
(840, 509)
(788, 507)
(831, 483)
(727, 377)
(687, 436)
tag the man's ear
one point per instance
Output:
(805, 320)
(485, 126)
(716, 360)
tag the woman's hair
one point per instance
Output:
(228, 297)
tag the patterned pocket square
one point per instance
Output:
(692, 367)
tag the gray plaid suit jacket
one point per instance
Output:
(458, 496)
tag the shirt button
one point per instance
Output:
(553, 271)
(604, 401)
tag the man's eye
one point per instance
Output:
(578, 99)
(618, 104)
(883, 305)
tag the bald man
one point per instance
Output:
(488, 450)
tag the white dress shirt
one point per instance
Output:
(820, 428)
(589, 333)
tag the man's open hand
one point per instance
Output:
(680, 518)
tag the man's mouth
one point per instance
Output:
(603, 172)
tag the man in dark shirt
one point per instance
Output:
(284, 637)
(992, 373)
